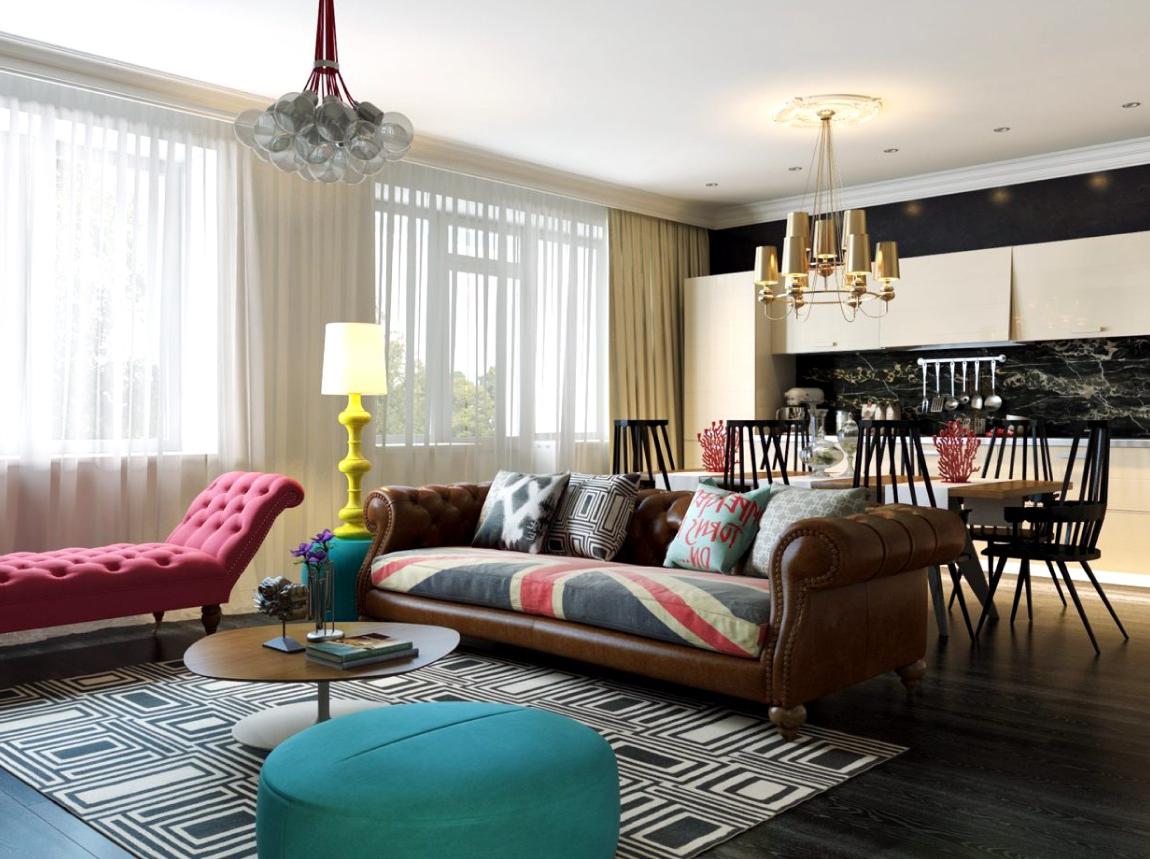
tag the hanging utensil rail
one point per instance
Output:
(998, 359)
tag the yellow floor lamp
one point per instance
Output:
(355, 365)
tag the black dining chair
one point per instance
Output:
(754, 446)
(794, 434)
(1016, 449)
(890, 453)
(632, 443)
(1019, 445)
(1062, 529)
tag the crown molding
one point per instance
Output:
(98, 74)
(1032, 168)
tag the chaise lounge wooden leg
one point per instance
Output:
(788, 720)
(210, 615)
(159, 616)
(911, 675)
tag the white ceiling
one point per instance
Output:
(667, 95)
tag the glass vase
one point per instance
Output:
(321, 601)
(820, 455)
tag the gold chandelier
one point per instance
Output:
(817, 267)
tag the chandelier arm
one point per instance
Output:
(329, 49)
(319, 34)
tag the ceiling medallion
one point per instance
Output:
(818, 268)
(806, 111)
(322, 133)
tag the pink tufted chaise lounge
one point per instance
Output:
(196, 566)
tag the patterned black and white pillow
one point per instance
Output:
(518, 511)
(593, 516)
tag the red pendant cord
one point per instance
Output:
(325, 77)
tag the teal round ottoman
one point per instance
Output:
(415, 781)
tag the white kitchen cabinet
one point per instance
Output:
(945, 299)
(1094, 287)
(822, 328)
(728, 369)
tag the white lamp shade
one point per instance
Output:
(354, 358)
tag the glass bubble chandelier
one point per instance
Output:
(826, 251)
(321, 133)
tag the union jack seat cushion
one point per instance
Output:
(727, 614)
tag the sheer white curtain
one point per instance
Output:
(495, 300)
(109, 274)
(164, 297)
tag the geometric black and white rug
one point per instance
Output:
(145, 754)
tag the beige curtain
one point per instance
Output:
(650, 258)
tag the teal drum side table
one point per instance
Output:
(347, 554)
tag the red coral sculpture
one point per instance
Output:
(957, 447)
(713, 444)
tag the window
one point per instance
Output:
(495, 302)
(110, 272)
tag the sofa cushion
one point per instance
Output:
(718, 529)
(792, 504)
(593, 516)
(726, 614)
(519, 510)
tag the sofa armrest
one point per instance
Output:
(407, 517)
(849, 593)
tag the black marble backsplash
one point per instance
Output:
(1061, 381)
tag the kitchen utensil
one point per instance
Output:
(937, 401)
(994, 402)
(925, 407)
(951, 402)
(964, 396)
(976, 400)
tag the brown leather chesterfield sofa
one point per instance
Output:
(848, 597)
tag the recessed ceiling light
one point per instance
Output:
(1001, 129)
(1131, 104)
(891, 151)
(795, 169)
(712, 185)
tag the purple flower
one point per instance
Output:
(301, 550)
(324, 536)
(317, 554)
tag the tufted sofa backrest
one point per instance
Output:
(231, 518)
(407, 517)
(658, 515)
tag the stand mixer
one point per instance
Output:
(799, 402)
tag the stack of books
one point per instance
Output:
(360, 650)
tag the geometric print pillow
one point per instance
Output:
(593, 516)
(519, 510)
(790, 506)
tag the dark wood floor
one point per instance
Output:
(1028, 746)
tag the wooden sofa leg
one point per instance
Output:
(788, 720)
(159, 616)
(911, 675)
(210, 615)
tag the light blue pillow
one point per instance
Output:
(718, 529)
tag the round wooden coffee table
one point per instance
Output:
(239, 654)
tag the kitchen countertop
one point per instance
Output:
(1054, 442)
